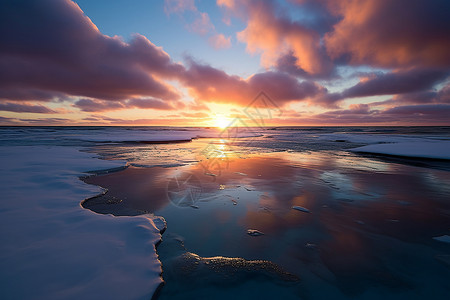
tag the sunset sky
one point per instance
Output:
(200, 63)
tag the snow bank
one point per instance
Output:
(51, 248)
(417, 149)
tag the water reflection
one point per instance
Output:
(371, 223)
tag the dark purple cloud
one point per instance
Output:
(361, 114)
(51, 46)
(396, 83)
(411, 83)
(29, 108)
(441, 111)
(91, 105)
(14, 93)
(441, 96)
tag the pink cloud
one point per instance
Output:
(202, 24)
(179, 6)
(219, 41)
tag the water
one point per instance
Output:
(369, 233)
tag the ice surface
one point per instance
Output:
(442, 238)
(51, 248)
(123, 135)
(300, 208)
(365, 138)
(140, 137)
(416, 149)
(254, 232)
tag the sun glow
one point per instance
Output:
(221, 121)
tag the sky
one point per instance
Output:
(207, 63)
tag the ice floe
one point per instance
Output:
(254, 232)
(52, 248)
(301, 208)
(417, 149)
(442, 238)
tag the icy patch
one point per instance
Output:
(422, 149)
(222, 270)
(140, 137)
(300, 208)
(363, 138)
(161, 136)
(254, 232)
(51, 248)
(442, 238)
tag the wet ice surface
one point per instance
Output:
(371, 231)
(378, 226)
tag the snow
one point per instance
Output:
(417, 149)
(442, 238)
(51, 248)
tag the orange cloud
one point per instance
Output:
(274, 36)
(390, 34)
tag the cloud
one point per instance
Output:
(274, 35)
(64, 53)
(149, 103)
(46, 121)
(195, 115)
(202, 24)
(441, 96)
(431, 112)
(219, 41)
(396, 83)
(91, 105)
(414, 82)
(25, 108)
(391, 34)
(209, 84)
(361, 114)
(327, 33)
(50, 51)
(13, 93)
(179, 6)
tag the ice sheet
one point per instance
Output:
(416, 149)
(51, 248)
(365, 138)
(123, 135)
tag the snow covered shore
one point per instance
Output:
(51, 248)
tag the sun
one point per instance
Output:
(221, 121)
